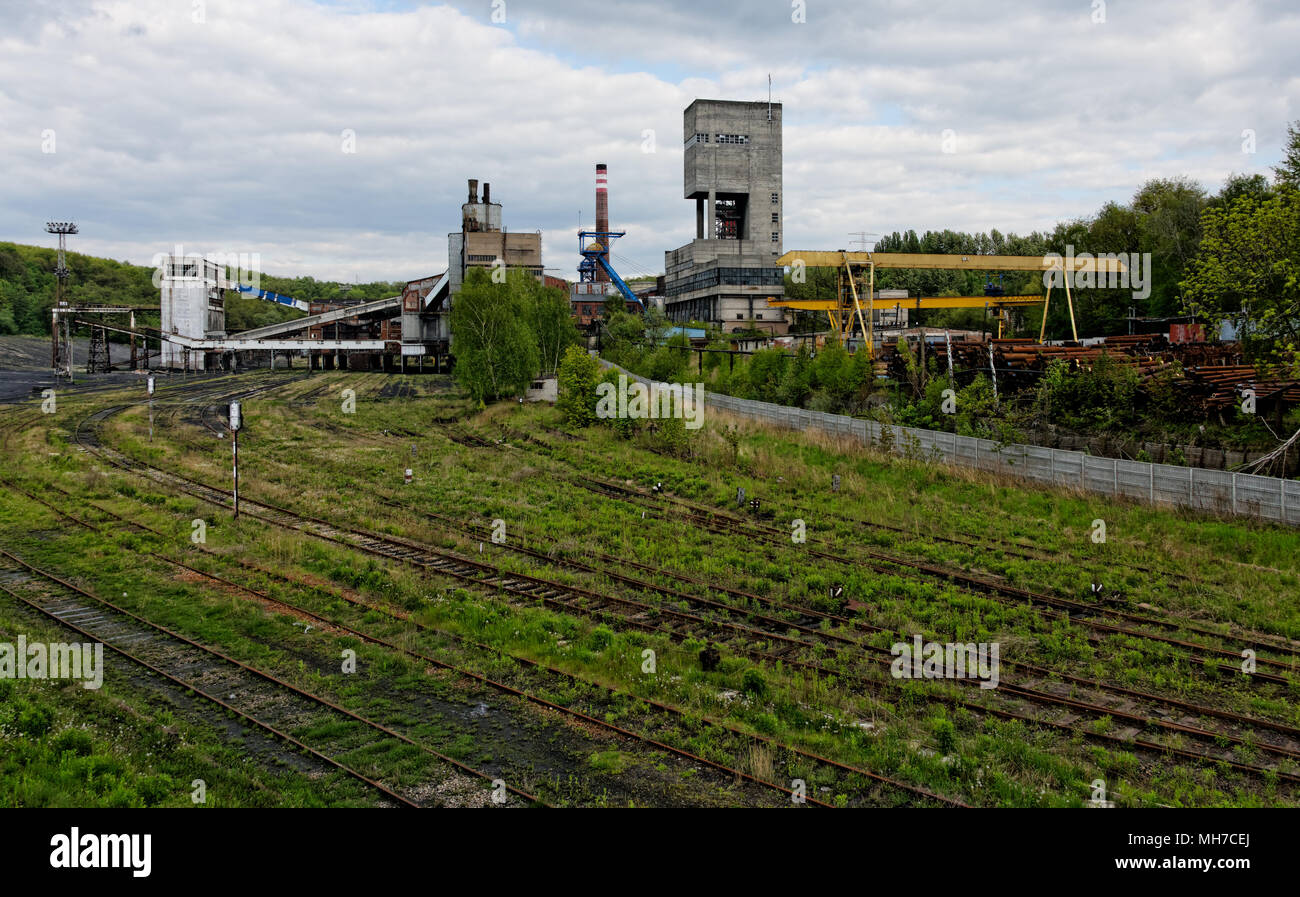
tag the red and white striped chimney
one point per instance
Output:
(602, 214)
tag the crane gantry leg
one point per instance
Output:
(1047, 303)
(1074, 331)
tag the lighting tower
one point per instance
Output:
(61, 350)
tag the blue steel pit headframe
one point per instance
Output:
(597, 254)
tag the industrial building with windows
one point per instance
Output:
(732, 169)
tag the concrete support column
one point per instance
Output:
(699, 217)
(713, 215)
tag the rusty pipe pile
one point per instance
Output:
(1148, 353)
(1218, 387)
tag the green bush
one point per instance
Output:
(945, 735)
(1101, 398)
(35, 721)
(76, 741)
(577, 377)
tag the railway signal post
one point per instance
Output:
(236, 421)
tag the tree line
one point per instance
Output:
(1229, 255)
(28, 284)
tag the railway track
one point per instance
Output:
(287, 518)
(676, 715)
(254, 695)
(678, 625)
(474, 441)
(1059, 608)
(695, 511)
(813, 619)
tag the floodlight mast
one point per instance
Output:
(62, 229)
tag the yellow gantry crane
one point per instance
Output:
(857, 283)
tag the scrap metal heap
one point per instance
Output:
(1208, 376)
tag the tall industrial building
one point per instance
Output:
(482, 240)
(192, 294)
(733, 172)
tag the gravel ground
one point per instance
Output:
(25, 367)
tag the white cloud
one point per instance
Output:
(229, 134)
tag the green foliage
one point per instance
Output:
(1098, 399)
(957, 283)
(753, 683)
(624, 426)
(577, 385)
(766, 371)
(670, 362)
(1287, 172)
(34, 720)
(622, 336)
(716, 357)
(496, 351)
(1169, 227)
(834, 373)
(27, 287)
(797, 384)
(945, 735)
(74, 741)
(548, 316)
(246, 312)
(1249, 270)
(671, 436)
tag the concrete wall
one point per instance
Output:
(544, 390)
(1271, 499)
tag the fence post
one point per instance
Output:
(1234, 492)
(1114, 476)
(1191, 487)
(1151, 494)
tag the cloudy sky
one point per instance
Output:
(223, 125)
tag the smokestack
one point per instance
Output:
(473, 190)
(487, 193)
(602, 215)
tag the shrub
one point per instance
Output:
(76, 741)
(577, 376)
(35, 721)
(945, 735)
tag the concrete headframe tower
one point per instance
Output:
(732, 169)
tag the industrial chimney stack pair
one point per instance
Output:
(473, 192)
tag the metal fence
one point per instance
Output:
(1220, 491)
